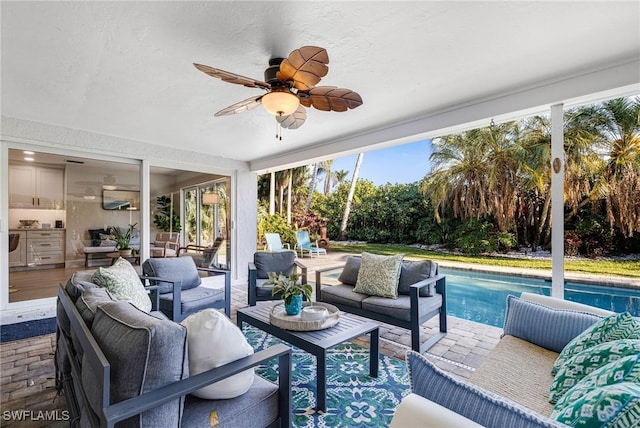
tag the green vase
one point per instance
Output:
(294, 306)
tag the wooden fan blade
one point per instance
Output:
(242, 106)
(232, 77)
(305, 67)
(330, 98)
(294, 120)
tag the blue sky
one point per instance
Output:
(401, 164)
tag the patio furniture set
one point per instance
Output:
(93, 371)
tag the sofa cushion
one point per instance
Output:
(414, 271)
(400, 308)
(349, 274)
(481, 406)
(123, 282)
(87, 304)
(278, 262)
(343, 294)
(181, 269)
(257, 407)
(544, 326)
(214, 341)
(192, 300)
(615, 405)
(613, 327)
(590, 360)
(378, 275)
(79, 282)
(625, 369)
(94, 234)
(145, 353)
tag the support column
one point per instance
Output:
(145, 211)
(272, 194)
(557, 201)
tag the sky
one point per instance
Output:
(406, 163)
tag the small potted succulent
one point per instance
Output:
(291, 290)
(123, 240)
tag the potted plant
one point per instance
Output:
(123, 240)
(291, 290)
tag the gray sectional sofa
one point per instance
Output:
(511, 386)
(118, 364)
(422, 295)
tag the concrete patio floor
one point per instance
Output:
(27, 370)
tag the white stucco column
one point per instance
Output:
(272, 194)
(557, 201)
(145, 210)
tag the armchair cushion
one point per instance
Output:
(87, 304)
(400, 308)
(378, 275)
(181, 269)
(278, 262)
(123, 282)
(412, 272)
(214, 341)
(191, 300)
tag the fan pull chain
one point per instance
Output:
(278, 131)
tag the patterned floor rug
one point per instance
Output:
(354, 399)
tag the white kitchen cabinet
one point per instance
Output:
(45, 247)
(36, 187)
(18, 257)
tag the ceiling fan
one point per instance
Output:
(290, 84)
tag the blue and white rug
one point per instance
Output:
(354, 399)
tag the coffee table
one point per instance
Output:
(317, 342)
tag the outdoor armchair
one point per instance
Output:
(182, 291)
(284, 262)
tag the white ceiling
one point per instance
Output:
(125, 68)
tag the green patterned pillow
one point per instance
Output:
(379, 275)
(588, 361)
(616, 405)
(613, 327)
(625, 369)
(123, 282)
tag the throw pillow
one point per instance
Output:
(413, 271)
(613, 327)
(349, 274)
(213, 340)
(123, 282)
(588, 361)
(615, 405)
(625, 369)
(544, 326)
(378, 275)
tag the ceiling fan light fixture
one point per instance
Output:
(280, 102)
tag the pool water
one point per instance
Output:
(482, 297)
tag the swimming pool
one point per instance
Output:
(481, 297)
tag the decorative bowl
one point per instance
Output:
(314, 313)
(28, 222)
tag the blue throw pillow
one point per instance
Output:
(544, 326)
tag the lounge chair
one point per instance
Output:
(304, 244)
(274, 243)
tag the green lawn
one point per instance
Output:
(623, 268)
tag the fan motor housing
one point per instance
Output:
(270, 72)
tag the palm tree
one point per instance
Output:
(352, 190)
(620, 130)
(312, 186)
